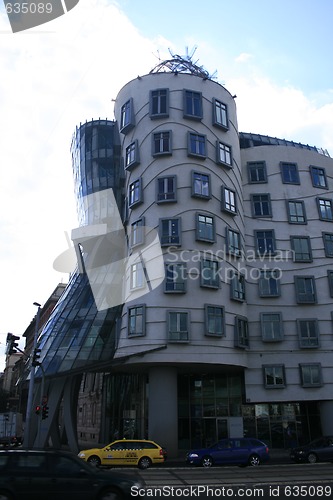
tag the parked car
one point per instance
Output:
(240, 451)
(139, 452)
(54, 474)
(319, 450)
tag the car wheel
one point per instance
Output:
(254, 460)
(144, 463)
(312, 458)
(94, 460)
(207, 462)
(111, 494)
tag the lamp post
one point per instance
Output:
(27, 436)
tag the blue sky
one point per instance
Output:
(275, 56)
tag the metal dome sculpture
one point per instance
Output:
(183, 64)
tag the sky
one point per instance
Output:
(275, 56)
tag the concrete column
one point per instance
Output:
(326, 417)
(163, 408)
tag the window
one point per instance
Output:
(296, 212)
(271, 327)
(229, 200)
(269, 283)
(274, 376)
(241, 332)
(310, 374)
(136, 321)
(162, 143)
(256, 172)
(308, 333)
(196, 145)
(135, 193)
(305, 289)
(137, 232)
(170, 232)
(330, 282)
(127, 117)
(166, 189)
(328, 244)
(201, 185)
(209, 273)
(224, 155)
(132, 155)
(159, 103)
(238, 287)
(137, 276)
(325, 209)
(175, 277)
(265, 242)
(301, 247)
(289, 172)
(261, 205)
(220, 114)
(233, 242)
(318, 177)
(192, 104)
(214, 320)
(205, 228)
(178, 326)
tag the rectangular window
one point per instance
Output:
(224, 155)
(261, 205)
(289, 173)
(132, 155)
(201, 185)
(162, 143)
(229, 200)
(214, 320)
(192, 104)
(328, 244)
(196, 145)
(241, 332)
(220, 114)
(238, 287)
(325, 209)
(296, 212)
(159, 103)
(135, 193)
(265, 242)
(308, 333)
(205, 228)
(178, 326)
(170, 232)
(310, 374)
(269, 283)
(318, 177)
(137, 276)
(137, 232)
(136, 321)
(274, 376)
(256, 172)
(233, 242)
(271, 327)
(127, 117)
(175, 277)
(305, 289)
(166, 189)
(301, 247)
(209, 273)
(330, 282)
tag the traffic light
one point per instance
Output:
(45, 412)
(37, 410)
(36, 356)
(12, 345)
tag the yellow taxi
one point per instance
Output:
(139, 452)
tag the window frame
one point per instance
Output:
(272, 338)
(293, 240)
(286, 181)
(265, 239)
(174, 283)
(156, 116)
(172, 194)
(274, 375)
(321, 174)
(276, 280)
(195, 194)
(251, 166)
(211, 282)
(161, 151)
(186, 340)
(303, 366)
(133, 149)
(261, 203)
(226, 161)
(207, 320)
(330, 281)
(137, 270)
(302, 343)
(137, 230)
(238, 287)
(170, 236)
(137, 185)
(229, 247)
(300, 296)
(127, 119)
(241, 337)
(290, 215)
(211, 227)
(326, 244)
(220, 109)
(325, 200)
(142, 333)
(199, 139)
(194, 97)
(228, 205)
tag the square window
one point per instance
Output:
(328, 244)
(301, 247)
(205, 228)
(214, 320)
(238, 287)
(305, 289)
(159, 103)
(325, 209)
(162, 143)
(220, 114)
(318, 177)
(192, 104)
(170, 232)
(167, 189)
(241, 332)
(201, 185)
(196, 145)
(289, 173)
(209, 270)
(296, 212)
(135, 193)
(233, 242)
(311, 374)
(136, 321)
(274, 376)
(308, 333)
(256, 172)
(261, 205)
(229, 200)
(132, 155)
(265, 242)
(175, 277)
(271, 327)
(127, 117)
(224, 154)
(269, 283)
(178, 330)
(137, 232)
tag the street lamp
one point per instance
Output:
(27, 436)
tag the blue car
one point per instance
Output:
(238, 451)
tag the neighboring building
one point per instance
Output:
(237, 339)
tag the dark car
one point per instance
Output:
(319, 450)
(59, 475)
(240, 451)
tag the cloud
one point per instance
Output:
(243, 57)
